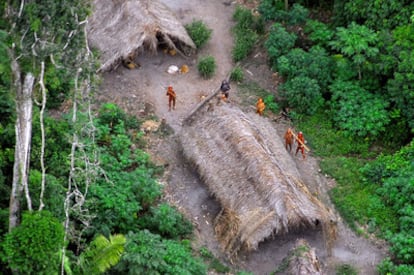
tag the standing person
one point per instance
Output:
(289, 139)
(260, 106)
(171, 98)
(300, 140)
(225, 88)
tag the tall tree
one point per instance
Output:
(44, 36)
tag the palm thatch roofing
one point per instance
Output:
(120, 28)
(242, 160)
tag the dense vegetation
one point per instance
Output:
(94, 195)
(348, 82)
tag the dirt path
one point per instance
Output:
(143, 91)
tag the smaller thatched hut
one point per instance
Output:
(242, 160)
(119, 29)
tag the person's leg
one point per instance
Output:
(174, 103)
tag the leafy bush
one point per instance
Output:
(236, 74)
(270, 9)
(166, 221)
(245, 32)
(128, 186)
(101, 254)
(346, 269)
(32, 247)
(403, 247)
(357, 111)
(275, 11)
(357, 43)
(271, 104)
(303, 94)
(207, 66)
(147, 253)
(247, 21)
(199, 32)
(244, 43)
(318, 32)
(279, 42)
(315, 64)
(387, 267)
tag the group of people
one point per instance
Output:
(290, 137)
(300, 141)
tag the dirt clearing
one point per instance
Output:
(142, 92)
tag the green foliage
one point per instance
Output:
(270, 9)
(318, 32)
(245, 20)
(245, 32)
(147, 253)
(358, 43)
(236, 74)
(57, 146)
(244, 42)
(387, 267)
(303, 94)
(280, 42)
(315, 64)
(345, 269)
(271, 104)
(275, 11)
(128, 185)
(356, 111)
(376, 14)
(54, 193)
(327, 141)
(206, 66)
(166, 221)
(199, 32)
(403, 247)
(102, 254)
(401, 82)
(32, 247)
(357, 202)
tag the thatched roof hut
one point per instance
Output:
(119, 29)
(242, 160)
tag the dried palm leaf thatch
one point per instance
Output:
(242, 160)
(302, 259)
(121, 28)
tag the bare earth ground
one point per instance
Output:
(141, 92)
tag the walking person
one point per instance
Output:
(171, 97)
(300, 140)
(289, 139)
(225, 88)
(260, 106)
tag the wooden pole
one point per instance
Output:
(306, 147)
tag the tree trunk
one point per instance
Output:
(22, 149)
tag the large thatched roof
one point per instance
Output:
(120, 28)
(242, 160)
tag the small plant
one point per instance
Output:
(207, 66)
(271, 104)
(199, 33)
(346, 269)
(236, 74)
